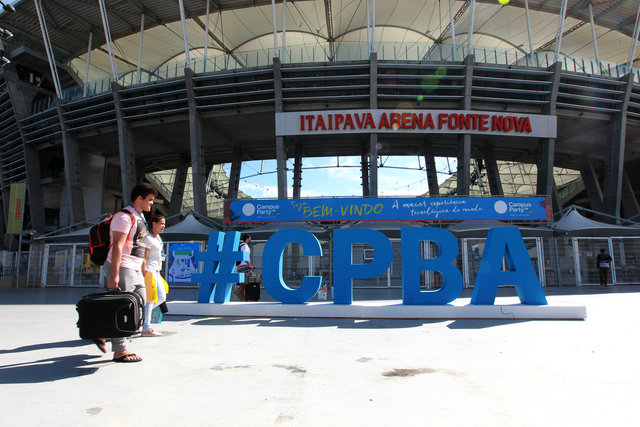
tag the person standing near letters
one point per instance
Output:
(604, 263)
(243, 267)
(124, 262)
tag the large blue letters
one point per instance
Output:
(412, 265)
(219, 262)
(344, 270)
(272, 266)
(506, 243)
(501, 243)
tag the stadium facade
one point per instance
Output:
(98, 95)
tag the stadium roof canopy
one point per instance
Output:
(247, 25)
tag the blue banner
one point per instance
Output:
(389, 209)
(182, 262)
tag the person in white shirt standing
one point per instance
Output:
(124, 261)
(156, 286)
(244, 266)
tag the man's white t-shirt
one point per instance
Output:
(133, 250)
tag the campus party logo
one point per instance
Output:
(218, 276)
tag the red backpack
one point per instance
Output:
(100, 238)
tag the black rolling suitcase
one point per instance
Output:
(109, 315)
(252, 288)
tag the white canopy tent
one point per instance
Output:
(78, 236)
(187, 229)
(573, 223)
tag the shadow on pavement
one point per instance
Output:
(44, 346)
(348, 323)
(52, 369)
(482, 323)
(317, 322)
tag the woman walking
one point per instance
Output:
(157, 287)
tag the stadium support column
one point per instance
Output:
(71, 169)
(281, 152)
(590, 181)
(196, 143)
(125, 146)
(364, 165)
(178, 187)
(555, 195)
(547, 146)
(21, 98)
(464, 141)
(493, 173)
(373, 138)
(36, 202)
(614, 162)
(629, 202)
(297, 171)
(3, 227)
(234, 175)
(430, 166)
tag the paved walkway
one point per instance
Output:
(318, 372)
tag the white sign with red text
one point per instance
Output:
(415, 121)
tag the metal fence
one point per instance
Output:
(559, 261)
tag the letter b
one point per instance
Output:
(412, 265)
(344, 271)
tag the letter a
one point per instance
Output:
(506, 243)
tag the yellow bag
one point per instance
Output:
(150, 283)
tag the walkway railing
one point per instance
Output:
(344, 52)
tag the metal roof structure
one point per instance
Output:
(247, 25)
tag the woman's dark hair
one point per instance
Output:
(157, 217)
(244, 237)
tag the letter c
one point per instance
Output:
(272, 266)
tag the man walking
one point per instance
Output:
(124, 261)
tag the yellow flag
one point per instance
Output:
(16, 208)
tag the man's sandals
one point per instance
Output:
(128, 358)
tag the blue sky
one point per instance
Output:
(332, 176)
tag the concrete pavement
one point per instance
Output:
(308, 372)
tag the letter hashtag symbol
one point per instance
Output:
(219, 263)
